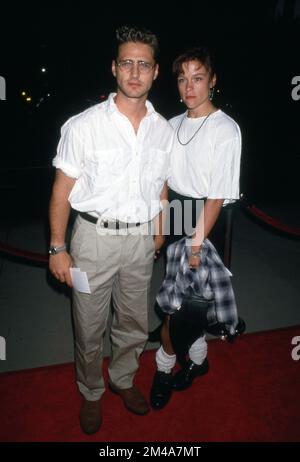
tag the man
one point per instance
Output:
(112, 161)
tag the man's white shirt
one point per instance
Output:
(119, 173)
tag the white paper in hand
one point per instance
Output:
(80, 281)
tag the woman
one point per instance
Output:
(205, 164)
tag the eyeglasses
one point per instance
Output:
(126, 65)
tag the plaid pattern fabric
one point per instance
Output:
(211, 281)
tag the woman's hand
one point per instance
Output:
(194, 261)
(194, 258)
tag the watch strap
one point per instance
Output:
(54, 250)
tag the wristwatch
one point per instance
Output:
(55, 250)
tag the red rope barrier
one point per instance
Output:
(32, 256)
(273, 222)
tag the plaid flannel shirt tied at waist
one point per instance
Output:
(211, 280)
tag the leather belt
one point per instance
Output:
(114, 224)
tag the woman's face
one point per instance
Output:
(194, 83)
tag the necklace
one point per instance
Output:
(184, 144)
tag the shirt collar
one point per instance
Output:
(112, 107)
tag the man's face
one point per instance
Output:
(194, 83)
(135, 69)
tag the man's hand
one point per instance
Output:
(60, 265)
(159, 222)
(159, 241)
(59, 212)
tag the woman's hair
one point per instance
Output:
(201, 54)
(127, 34)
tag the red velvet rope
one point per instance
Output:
(273, 222)
(262, 216)
(25, 254)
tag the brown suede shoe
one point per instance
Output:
(90, 416)
(132, 398)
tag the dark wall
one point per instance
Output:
(256, 50)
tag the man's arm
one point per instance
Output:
(159, 221)
(59, 212)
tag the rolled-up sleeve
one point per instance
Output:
(70, 154)
(225, 172)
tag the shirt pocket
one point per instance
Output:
(156, 165)
(106, 166)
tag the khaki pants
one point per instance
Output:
(117, 266)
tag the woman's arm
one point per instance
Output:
(205, 224)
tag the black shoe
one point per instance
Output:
(161, 389)
(184, 378)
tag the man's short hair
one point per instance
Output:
(127, 34)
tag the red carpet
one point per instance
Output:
(252, 393)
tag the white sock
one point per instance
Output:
(198, 351)
(164, 362)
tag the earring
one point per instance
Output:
(180, 100)
(211, 93)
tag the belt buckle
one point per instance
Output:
(102, 225)
(102, 222)
(105, 226)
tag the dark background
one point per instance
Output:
(257, 50)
